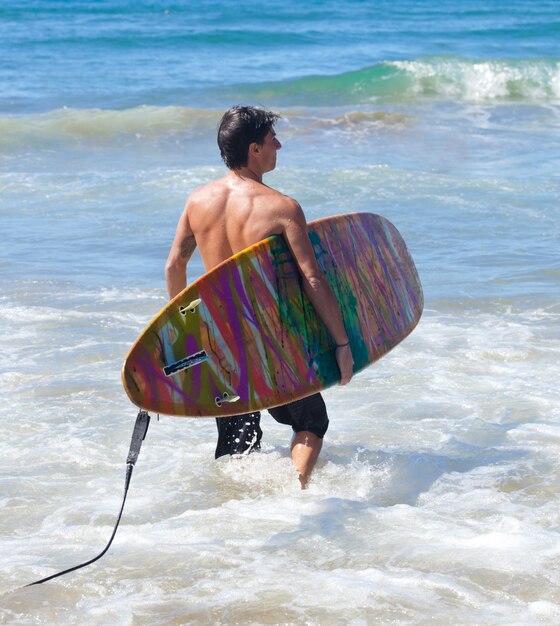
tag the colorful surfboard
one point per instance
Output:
(244, 336)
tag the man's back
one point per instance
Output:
(232, 213)
(238, 210)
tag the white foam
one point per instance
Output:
(481, 81)
(139, 122)
(436, 493)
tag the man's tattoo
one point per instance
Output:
(187, 247)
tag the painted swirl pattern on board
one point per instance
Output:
(255, 341)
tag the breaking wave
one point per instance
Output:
(437, 78)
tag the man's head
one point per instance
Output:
(240, 127)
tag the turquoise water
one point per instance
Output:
(121, 54)
(436, 498)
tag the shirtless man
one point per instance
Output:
(232, 213)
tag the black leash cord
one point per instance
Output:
(138, 436)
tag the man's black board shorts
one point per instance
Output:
(241, 434)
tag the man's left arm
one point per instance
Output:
(181, 251)
(316, 285)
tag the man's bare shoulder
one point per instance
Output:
(209, 190)
(282, 202)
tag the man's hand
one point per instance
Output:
(345, 363)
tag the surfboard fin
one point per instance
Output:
(190, 308)
(225, 397)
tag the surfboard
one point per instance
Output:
(244, 336)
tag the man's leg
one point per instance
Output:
(309, 421)
(305, 452)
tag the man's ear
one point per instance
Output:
(254, 149)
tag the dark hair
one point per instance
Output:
(240, 127)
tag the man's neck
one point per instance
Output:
(247, 172)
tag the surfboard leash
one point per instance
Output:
(138, 436)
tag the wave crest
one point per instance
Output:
(438, 78)
(103, 123)
(479, 81)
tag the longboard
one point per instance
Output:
(244, 336)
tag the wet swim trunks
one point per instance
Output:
(238, 434)
(241, 434)
(306, 414)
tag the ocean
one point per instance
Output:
(436, 499)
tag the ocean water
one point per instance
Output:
(437, 495)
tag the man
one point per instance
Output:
(232, 213)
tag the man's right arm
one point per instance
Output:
(316, 286)
(181, 251)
